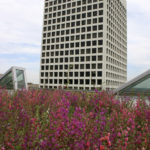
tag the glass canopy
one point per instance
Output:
(20, 79)
(7, 81)
(14, 78)
(139, 85)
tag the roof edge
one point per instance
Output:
(132, 81)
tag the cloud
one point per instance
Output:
(21, 22)
(20, 36)
(138, 37)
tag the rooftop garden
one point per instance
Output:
(62, 120)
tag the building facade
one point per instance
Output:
(84, 44)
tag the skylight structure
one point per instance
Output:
(139, 85)
(14, 79)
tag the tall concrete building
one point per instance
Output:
(84, 44)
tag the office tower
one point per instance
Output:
(84, 44)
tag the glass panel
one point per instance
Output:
(20, 79)
(144, 85)
(7, 81)
(141, 86)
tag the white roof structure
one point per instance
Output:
(138, 85)
(14, 79)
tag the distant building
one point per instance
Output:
(33, 86)
(84, 44)
(1, 75)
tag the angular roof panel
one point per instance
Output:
(139, 85)
(14, 78)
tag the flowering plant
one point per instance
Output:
(42, 120)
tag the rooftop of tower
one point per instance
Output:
(124, 3)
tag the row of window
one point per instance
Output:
(116, 56)
(72, 52)
(117, 45)
(73, 29)
(76, 44)
(72, 87)
(113, 83)
(73, 16)
(80, 82)
(72, 5)
(71, 74)
(71, 67)
(116, 40)
(115, 69)
(115, 76)
(72, 24)
(70, 81)
(75, 59)
(71, 38)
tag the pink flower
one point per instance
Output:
(102, 147)
(109, 143)
(119, 134)
(126, 139)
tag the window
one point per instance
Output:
(81, 81)
(100, 27)
(88, 51)
(100, 34)
(83, 22)
(82, 50)
(93, 50)
(95, 6)
(76, 74)
(95, 13)
(82, 44)
(71, 52)
(87, 66)
(76, 66)
(88, 36)
(93, 58)
(89, 14)
(99, 82)
(78, 23)
(101, 5)
(76, 59)
(87, 58)
(87, 81)
(75, 81)
(78, 17)
(99, 73)
(88, 43)
(81, 74)
(100, 20)
(93, 66)
(99, 66)
(94, 28)
(89, 7)
(100, 58)
(88, 74)
(95, 20)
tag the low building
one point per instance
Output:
(1, 75)
(14, 79)
(33, 86)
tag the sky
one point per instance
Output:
(21, 35)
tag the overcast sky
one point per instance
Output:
(21, 33)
